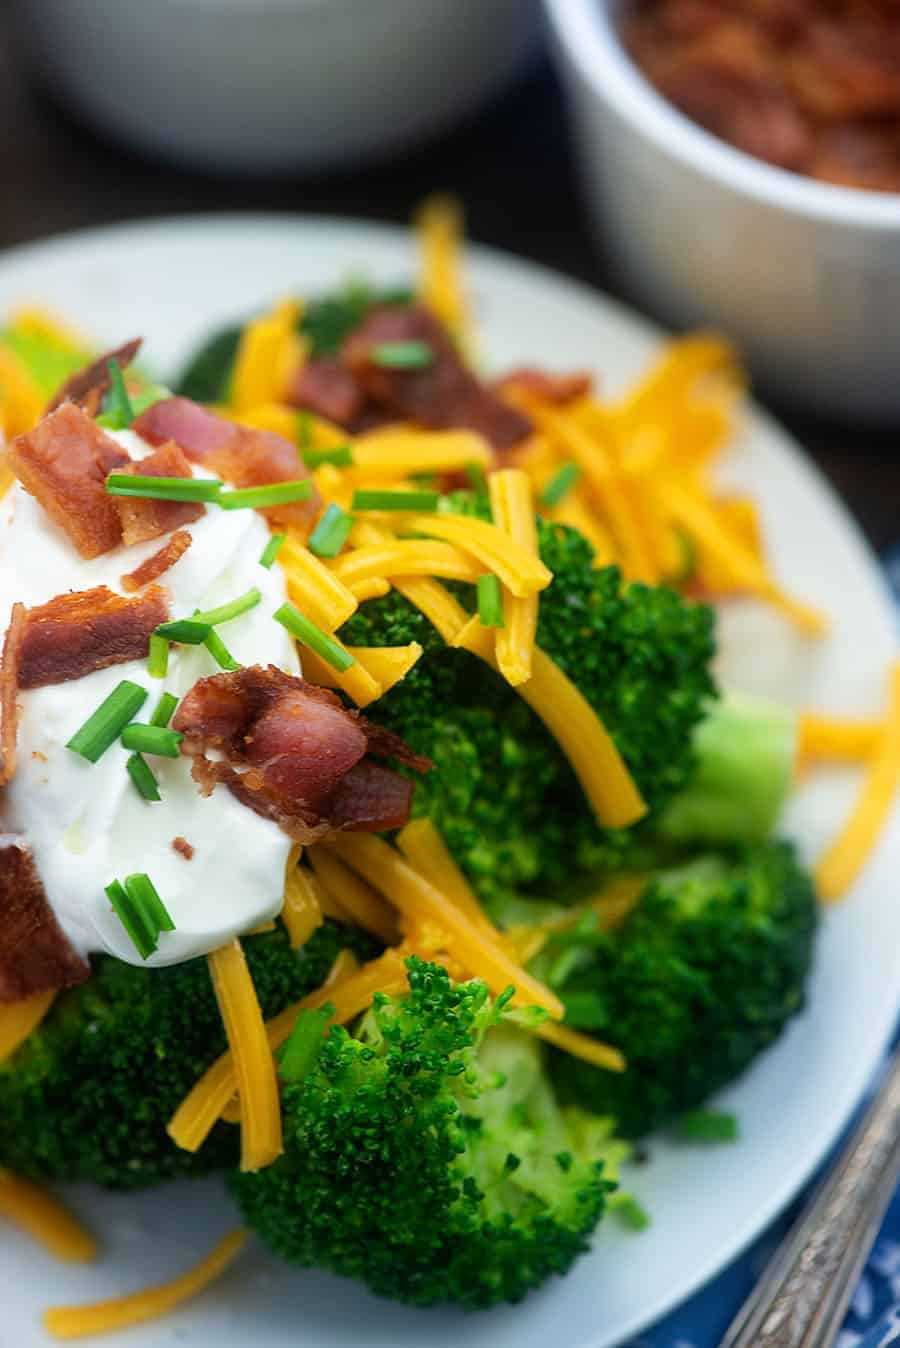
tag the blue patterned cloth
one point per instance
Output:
(873, 1320)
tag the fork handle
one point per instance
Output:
(802, 1298)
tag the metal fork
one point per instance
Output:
(802, 1297)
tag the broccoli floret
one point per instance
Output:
(502, 794)
(701, 977)
(427, 1157)
(89, 1094)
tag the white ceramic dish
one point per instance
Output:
(805, 276)
(258, 86)
(173, 280)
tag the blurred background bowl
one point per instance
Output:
(803, 275)
(259, 86)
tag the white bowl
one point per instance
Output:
(263, 85)
(805, 276)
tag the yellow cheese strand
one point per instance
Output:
(425, 850)
(315, 589)
(837, 738)
(366, 908)
(520, 571)
(270, 417)
(21, 400)
(414, 557)
(301, 912)
(513, 510)
(439, 228)
(684, 363)
(582, 1046)
(44, 1219)
(388, 665)
(398, 452)
(19, 1019)
(269, 353)
(79, 1322)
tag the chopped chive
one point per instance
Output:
(560, 484)
(119, 413)
(402, 355)
(330, 534)
(339, 457)
(134, 919)
(708, 1125)
(301, 1050)
(164, 709)
(186, 631)
(147, 397)
(220, 652)
(152, 739)
(163, 488)
(629, 1211)
(106, 724)
(158, 663)
(258, 498)
(271, 550)
(143, 778)
(233, 609)
(477, 480)
(490, 601)
(395, 500)
(304, 429)
(142, 891)
(314, 638)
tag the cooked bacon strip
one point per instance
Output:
(35, 955)
(443, 396)
(171, 552)
(292, 752)
(551, 388)
(243, 455)
(328, 388)
(144, 519)
(64, 462)
(9, 688)
(183, 848)
(76, 634)
(86, 387)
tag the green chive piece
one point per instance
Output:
(147, 397)
(629, 1211)
(477, 480)
(142, 891)
(143, 778)
(271, 550)
(225, 612)
(313, 637)
(402, 355)
(106, 724)
(304, 430)
(164, 709)
(134, 919)
(330, 534)
(258, 498)
(395, 500)
(158, 663)
(560, 484)
(220, 652)
(119, 413)
(708, 1125)
(164, 488)
(339, 457)
(301, 1050)
(152, 739)
(490, 601)
(186, 631)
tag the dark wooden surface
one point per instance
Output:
(511, 167)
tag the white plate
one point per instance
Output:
(173, 281)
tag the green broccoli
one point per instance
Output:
(701, 976)
(89, 1094)
(427, 1157)
(502, 794)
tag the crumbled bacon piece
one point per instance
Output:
(328, 388)
(9, 688)
(183, 848)
(162, 561)
(445, 395)
(64, 462)
(292, 752)
(35, 954)
(78, 633)
(143, 519)
(242, 455)
(86, 387)
(551, 388)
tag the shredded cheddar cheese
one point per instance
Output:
(313, 587)
(425, 850)
(104, 1317)
(18, 1019)
(365, 908)
(522, 572)
(414, 557)
(301, 912)
(270, 417)
(269, 354)
(583, 1046)
(399, 452)
(513, 510)
(440, 234)
(44, 1219)
(21, 400)
(387, 665)
(839, 739)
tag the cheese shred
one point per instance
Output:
(301, 912)
(365, 908)
(838, 739)
(44, 1219)
(19, 1019)
(513, 510)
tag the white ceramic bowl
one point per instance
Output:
(805, 276)
(263, 85)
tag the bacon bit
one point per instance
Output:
(35, 955)
(86, 387)
(292, 753)
(64, 462)
(546, 387)
(243, 455)
(328, 388)
(76, 634)
(145, 519)
(9, 687)
(161, 562)
(443, 396)
(39, 757)
(183, 848)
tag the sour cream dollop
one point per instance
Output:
(85, 823)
